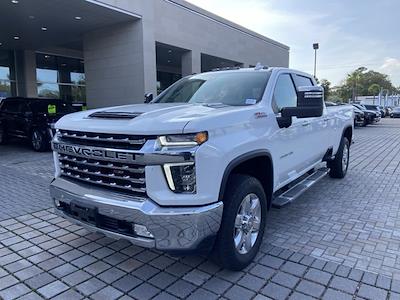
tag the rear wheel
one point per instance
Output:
(338, 166)
(243, 223)
(3, 135)
(39, 141)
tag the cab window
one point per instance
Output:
(303, 81)
(284, 94)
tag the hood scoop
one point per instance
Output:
(114, 115)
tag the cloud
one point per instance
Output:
(346, 40)
(390, 64)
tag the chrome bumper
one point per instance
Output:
(174, 228)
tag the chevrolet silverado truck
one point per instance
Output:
(198, 167)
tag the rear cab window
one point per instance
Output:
(301, 80)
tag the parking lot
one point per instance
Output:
(339, 240)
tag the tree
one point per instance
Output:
(374, 89)
(326, 84)
(358, 82)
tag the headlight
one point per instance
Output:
(181, 177)
(183, 140)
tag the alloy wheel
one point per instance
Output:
(345, 158)
(247, 224)
(37, 140)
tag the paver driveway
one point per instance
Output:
(340, 240)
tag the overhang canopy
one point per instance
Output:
(31, 25)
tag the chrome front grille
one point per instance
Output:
(115, 175)
(119, 141)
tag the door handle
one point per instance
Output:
(306, 123)
(326, 119)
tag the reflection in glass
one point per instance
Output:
(4, 73)
(78, 78)
(5, 89)
(48, 90)
(78, 94)
(47, 75)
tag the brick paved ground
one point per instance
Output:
(340, 240)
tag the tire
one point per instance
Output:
(3, 135)
(236, 255)
(365, 122)
(39, 141)
(338, 166)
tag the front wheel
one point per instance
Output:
(243, 223)
(338, 166)
(38, 141)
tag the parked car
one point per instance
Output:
(372, 116)
(359, 117)
(198, 167)
(376, 108)
(32, 119)
(395, 113)
(388, 110)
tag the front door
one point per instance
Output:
(288, 143)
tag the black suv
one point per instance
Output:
(32, 119)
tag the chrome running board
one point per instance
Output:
(299, 188)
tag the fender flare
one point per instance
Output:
(237, 161)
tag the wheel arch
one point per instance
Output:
(256, 163)
(348, 133)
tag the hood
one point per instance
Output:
(146, 119)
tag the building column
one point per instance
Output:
(116, 64)
(25, 73)
(191, 63)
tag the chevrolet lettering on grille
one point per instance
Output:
(91, 152)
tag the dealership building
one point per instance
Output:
(112, 52)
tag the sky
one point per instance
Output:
(350, 33)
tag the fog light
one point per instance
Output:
(181, 177)
(141, 230)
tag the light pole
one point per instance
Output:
(316, 47)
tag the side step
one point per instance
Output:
(295, 191)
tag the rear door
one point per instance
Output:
(23, 118)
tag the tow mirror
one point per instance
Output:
(148, 98)
(310, 103)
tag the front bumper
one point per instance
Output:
(174, 229)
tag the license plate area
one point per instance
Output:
(85, 213)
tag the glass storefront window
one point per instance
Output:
(60, 77)
(44, 75)
(78, 78)
(7, 74)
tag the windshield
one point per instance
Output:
(230, 88)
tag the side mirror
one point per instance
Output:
(310, 103)
(148, 98)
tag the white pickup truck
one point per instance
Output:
(198, 167)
